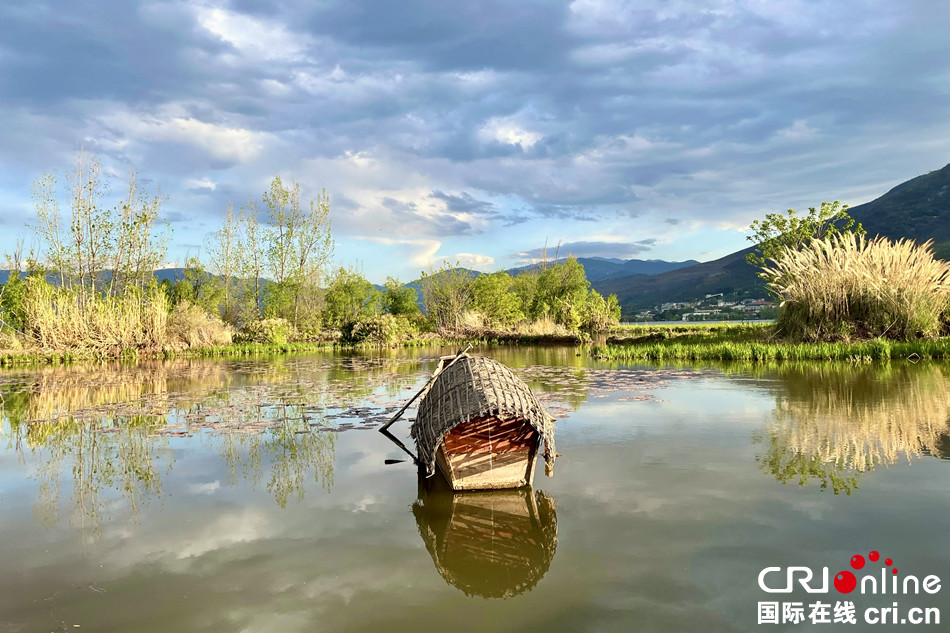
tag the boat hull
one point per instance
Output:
(489, 453)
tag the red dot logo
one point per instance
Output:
(845, 582)
(857, 561)
(888, 562)
(874, 556)
(894, 571)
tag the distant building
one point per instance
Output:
(755, 305)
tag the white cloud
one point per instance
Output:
(798, 131)
(252, 36)
(201, 183)
(504, 130)
(172, 123)
(421, 254)
(204, 488)
(473, 260)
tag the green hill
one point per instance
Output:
(729, 275)
(918, 209)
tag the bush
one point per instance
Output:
(845, 286)
(275, 331)
(189, 325)
(381, 329)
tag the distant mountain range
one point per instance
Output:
(170, 274)
(600, 268)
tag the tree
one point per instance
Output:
(562, 293)
(12, 311)
(778, 231)
(599, 313)
(349, 297)
(251, 264)
(493, 297)
(198, 287)
(225, 261)
(91, 241)
(399, 299)
(525, 286)
(298, 247)
(138, 249)
(446, 295)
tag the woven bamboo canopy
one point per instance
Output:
(475, 387)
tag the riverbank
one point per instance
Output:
(756, 342)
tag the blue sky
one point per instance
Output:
(478, 131)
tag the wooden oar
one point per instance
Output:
(385, 428)
(399, 413)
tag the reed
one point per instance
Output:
(62, 319)
(845, 286)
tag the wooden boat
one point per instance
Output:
(481, 426)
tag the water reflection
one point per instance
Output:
(494, 544)
(103, 435)
(832, 423)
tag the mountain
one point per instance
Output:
(918, 209)
(729, 274)
(598, 268)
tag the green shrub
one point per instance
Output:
(381, 329)
(275, 331)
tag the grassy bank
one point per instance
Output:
(695, 349)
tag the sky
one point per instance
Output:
(478, 132)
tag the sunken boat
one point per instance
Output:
(481, 426)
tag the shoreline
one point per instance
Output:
(683, 342)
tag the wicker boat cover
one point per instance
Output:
(475, 387)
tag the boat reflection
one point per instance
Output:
(494, 544)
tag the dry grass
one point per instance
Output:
(60, 319)
(846, 286)
(190, 326)
(544, 326)
(9, 341)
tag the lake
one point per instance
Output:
(254, 495)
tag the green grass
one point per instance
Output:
(759, 351)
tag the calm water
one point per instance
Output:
(253, 495)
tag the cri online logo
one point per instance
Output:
(846, 582)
